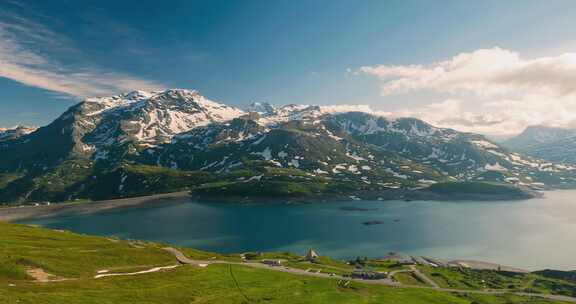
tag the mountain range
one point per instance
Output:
(12, 133)
(141, 143)
(553, 144)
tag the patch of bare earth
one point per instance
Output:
(41, 276)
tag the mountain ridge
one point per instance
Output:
(15, 132)
(550, 143)
(167, 139)
(537, 135)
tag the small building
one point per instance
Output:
(271, 262)
(311, 255)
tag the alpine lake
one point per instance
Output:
(531, 234)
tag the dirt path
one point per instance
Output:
(41, 276)
(155, 269)
(181, 258)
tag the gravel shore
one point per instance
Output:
(11, 214)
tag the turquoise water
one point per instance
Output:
(532, 234)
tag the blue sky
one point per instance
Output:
(54, 53)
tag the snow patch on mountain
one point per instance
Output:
(266, 154)
(484, 144)
(152, 118)
(262, 108)
(271, 115)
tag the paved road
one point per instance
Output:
(185, 260)
(394, 272)
(180, 257)
(423, 277)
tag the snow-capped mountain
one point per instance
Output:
(112, 127)
(13, 133)
(561, 151)
(262, 108)
(534, 136)
(553, 144)
(337, 143)
(145, 142)
(154, 117)
(271, 115)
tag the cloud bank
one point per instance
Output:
(493, 91)
(25, 49)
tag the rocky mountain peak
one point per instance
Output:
(151, 117)
(262, 108)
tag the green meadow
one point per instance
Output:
(72, 260)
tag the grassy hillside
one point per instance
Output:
(72, 260)
(480, 189)
(255, 180)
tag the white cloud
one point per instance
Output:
(22, 60)
(451, 113)
(485, 72)
(492, 91)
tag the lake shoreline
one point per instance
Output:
(13, 214)
(19, 213)
(389, 195)
(503, 232)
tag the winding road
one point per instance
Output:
(423, 277)
(183, 259)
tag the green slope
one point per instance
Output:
(77, 258)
